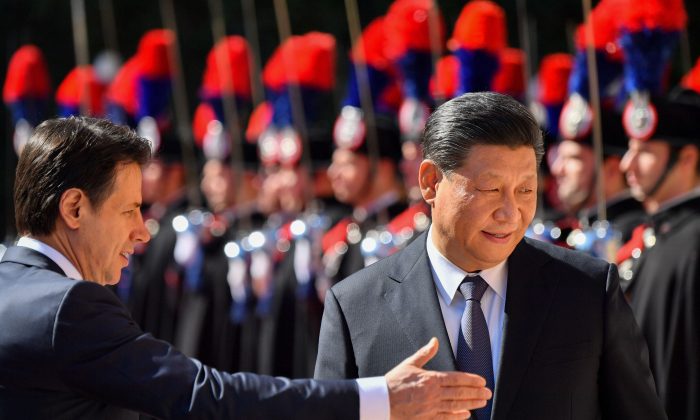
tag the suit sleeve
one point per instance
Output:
(103, 355)
(335, 359)
(627, 388)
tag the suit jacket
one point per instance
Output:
(69, 349)
(571, 348)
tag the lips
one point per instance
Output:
(497, 237)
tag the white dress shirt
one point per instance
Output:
(447, 277)
(68, 268)
(373, 392)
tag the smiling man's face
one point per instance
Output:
(107, 235)
(481, 211)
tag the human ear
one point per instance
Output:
(71, 207)
(429, 177)
(688, 157)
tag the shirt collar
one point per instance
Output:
(68, 268)
(450, 276)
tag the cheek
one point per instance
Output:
(528, 209)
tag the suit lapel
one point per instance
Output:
(413, 300)
(528, 299)
(26, 256)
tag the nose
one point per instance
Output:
(557, 166)
(140, 232)
(508, 211)
(628, 160)
(333, 171)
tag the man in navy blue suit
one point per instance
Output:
(69, 348)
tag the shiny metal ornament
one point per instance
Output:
(576, 120)
(640, 118)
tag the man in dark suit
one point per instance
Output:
(547, 328)
(68, 347)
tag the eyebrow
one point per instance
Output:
(492, 175)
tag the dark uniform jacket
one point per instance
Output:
(665, 298)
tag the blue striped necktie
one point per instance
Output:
(474, 346)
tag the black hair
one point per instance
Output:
(64, 153)
(483, 118)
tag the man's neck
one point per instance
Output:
(50, 248)
(653, 206)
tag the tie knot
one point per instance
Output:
(473, 288)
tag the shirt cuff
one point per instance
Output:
(374, 398)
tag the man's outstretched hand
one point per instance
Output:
(417, 393)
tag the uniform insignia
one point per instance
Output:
(640, 118)
(215, 144)
(413, 115)
(289, 146)
(576, 118)
(349, 129)
(148, 129)
(268, 147)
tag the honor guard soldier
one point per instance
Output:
(573, 165)
(139, 96)
(572, 160)
(294, 146)
(663, 169)
(648, 37)
(26, 92)
(415, 33)
(551, 91)
(216, 323)
(364, 173)
(662, 166)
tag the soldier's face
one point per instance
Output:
(218, 185)
(268, 200)
(573, 169)
(293, 185)
(349, 173)
(153, 174)
(643, 165)
(480, 211)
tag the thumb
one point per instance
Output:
(423, 355)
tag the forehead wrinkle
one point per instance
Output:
(493, 175)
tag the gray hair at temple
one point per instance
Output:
(483, 118)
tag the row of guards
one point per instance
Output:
(300, 193)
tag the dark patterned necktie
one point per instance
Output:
(474, 346)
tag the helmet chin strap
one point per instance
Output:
(672, 159)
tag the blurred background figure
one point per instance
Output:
(294, 147)
(215, 320)
(26, 92)
(662, 166)
(364, 172)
